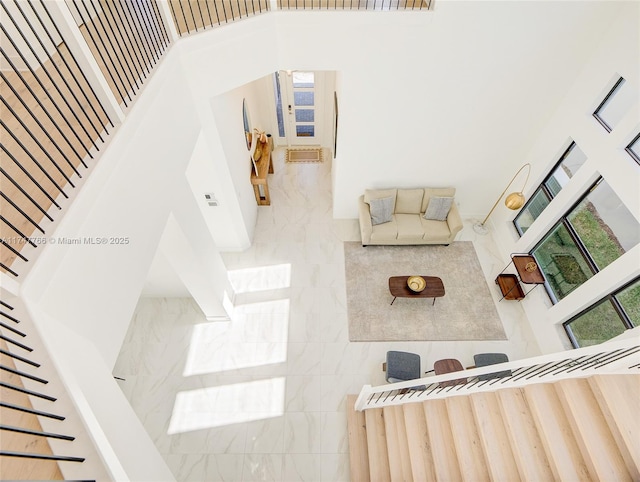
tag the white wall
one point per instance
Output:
(615, 54)
(82, 296)
(226, 65)
(94, 289)
(469, 85)
(162, 280)
(227, 111)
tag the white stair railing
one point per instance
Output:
(617, 357)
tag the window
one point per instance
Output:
(615, 104)
(633, 149)
(606, 319)
(597, 231)
(278, 97)
(564, 170)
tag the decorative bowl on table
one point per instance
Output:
(416, 283)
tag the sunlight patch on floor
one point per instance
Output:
(228, 404)
(256, 336)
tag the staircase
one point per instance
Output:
(573, 429)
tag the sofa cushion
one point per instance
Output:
(370, 194)
(385, 232)
(438, 208)
(429, 192)
(409, 227)
(409, 201)
(435, 231)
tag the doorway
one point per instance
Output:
(300, 108)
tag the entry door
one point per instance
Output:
(302, 107)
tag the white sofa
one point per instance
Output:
(408, 225)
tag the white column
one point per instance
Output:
(199, 274)
(78, 47)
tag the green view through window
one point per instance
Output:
(596, 232)
(606, 319)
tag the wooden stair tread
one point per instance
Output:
(577, 429)
(618, 397)
(357, 433)
(473, 466)
(443, 451)
(560, 446)
(422, 465)
(377, 445)
(527, 448)
(592, 434)
(496, 446)
(397, 444)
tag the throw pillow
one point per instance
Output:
(381, 210)
(438, 208)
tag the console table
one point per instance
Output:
(259, 181)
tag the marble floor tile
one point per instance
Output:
(302, 468)
(266, 436)
(334, 467)
(303, 432)
(224, 468)
(303, 393)
(262, 396)
(262, 468)
(334, 438)
(188, 467)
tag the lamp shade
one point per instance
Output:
(514, 201)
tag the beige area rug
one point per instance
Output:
(304, 155)
(466, 312)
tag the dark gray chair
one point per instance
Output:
(402, 366)
(484, 359)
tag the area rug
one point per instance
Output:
(466, 312)
(304, 155)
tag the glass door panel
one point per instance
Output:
(303, 98)
(305, 115)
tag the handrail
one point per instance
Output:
(622, 356)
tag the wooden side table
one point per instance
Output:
(528, 272)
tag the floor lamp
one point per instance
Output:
(513, 201)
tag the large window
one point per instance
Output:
(615, 105)
(596, 232)
(606, 319)
(564, 170)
